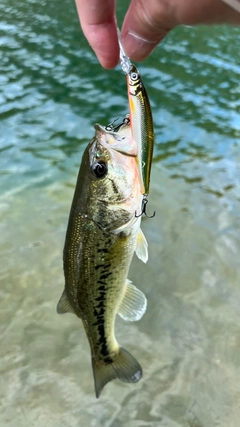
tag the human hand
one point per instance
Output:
(146, 23)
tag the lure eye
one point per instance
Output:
(99, 169)
(134, 76)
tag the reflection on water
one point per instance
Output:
(52, 91)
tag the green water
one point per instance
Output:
(52, 91)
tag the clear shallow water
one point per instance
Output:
(52, 91)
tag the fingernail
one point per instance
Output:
(137, 47)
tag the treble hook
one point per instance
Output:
(144, 209)
(110, 127)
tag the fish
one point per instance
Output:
(142, 129)
(102, 234)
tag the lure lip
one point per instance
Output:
(124, 59)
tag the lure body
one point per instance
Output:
(140, 117)
(141, 125)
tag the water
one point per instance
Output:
(52, 91)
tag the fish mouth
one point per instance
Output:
(109, 139)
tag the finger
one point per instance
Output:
(97, 18)
(208, 12)
(145, 25)
(148, 22)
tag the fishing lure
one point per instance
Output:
(141, 120)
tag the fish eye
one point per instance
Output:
(99, 169)
(134, 76)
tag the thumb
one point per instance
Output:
(145, 25)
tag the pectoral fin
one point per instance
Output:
(133, 304)
(141, 247)
(64, 305)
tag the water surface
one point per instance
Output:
(52, 91)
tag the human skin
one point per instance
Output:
(146, 23)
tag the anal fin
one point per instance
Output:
(133, 304)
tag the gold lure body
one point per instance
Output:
(141, 118)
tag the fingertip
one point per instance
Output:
(109, 59)
(137, 47)
(104, 42)
(143, 28)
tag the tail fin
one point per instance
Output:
(124, 367)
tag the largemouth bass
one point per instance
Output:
(103, 233)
